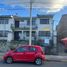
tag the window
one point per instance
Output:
(44, 33)
(21, 49)
(3, 33)
(22, 20)
(28, 22)
(33, 22)
(3, 21)
(44, 21)
(27, 33)
(32, 49)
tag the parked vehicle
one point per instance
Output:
(25, 54)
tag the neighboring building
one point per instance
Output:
(62, 28)
(18, 28)
(5, 28)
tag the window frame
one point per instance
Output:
(42, 21)
(22, 51)
(3, 33)
(3, 21)
(32, 50)
(44, 33)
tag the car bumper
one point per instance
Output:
(43, 58)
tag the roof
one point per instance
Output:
(15, 16)
(8, 16)
(20, 17)
(5, 16)
(47, 16)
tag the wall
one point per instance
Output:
(10, 34)
(45, 27)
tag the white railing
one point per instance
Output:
(3, 38)
(25, 26)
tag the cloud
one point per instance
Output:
(50, 5)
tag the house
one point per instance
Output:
(5, 28)
(18, 28)
(62, 28)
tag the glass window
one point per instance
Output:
(44, 33)
(21, 49)
(28, 22)
(22, 20)
(44, 21)
(3, 33)
(33, 33)
(33, 22)
(27, 33)
(3, 21)
(32, 49)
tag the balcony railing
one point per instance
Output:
(26, 38)
(23, 27)
(3, 38)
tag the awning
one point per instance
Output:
(64, 40)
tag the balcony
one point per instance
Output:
(26, 38)
(23, 27)
(3, 38)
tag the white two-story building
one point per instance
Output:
(18, 28)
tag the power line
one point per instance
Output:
(34, 2)
(26, 8)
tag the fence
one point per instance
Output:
(5, 46)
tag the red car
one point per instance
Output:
(25, 54)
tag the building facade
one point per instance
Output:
(18, 28)
(62, 28)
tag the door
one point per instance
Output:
(30, 55)
(16, 35)
(16, 24)
(19, 54)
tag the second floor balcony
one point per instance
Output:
(23, 27)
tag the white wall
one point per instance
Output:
(7, 27)
(45, 27)
(10, 37)
(22, 24)
(10, 34)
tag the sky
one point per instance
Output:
(50, 5)
(21, 8)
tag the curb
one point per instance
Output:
(64, 60)
(57, 60)
(53, 60)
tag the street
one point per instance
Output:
(46, 64)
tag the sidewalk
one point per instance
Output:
(1, 56)
(56, 58)
(48, 58)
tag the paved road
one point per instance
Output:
(46, 64)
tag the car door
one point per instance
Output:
(30, 54)
(19, 54)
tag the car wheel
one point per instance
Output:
(38, 61)
(9, 60)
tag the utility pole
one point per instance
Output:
(52, 33)
(30, 33)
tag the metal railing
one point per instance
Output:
(23, 27)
